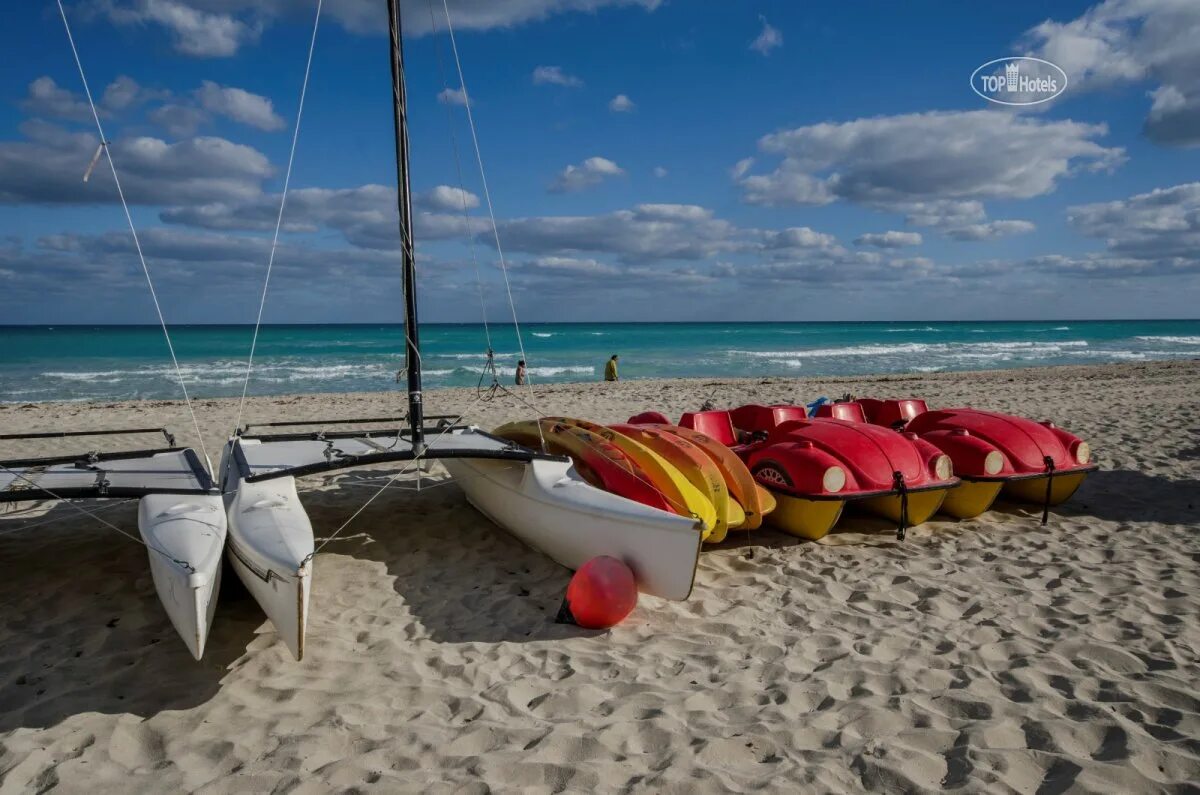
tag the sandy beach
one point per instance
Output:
(992, 654)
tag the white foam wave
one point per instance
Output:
(1174, 340)
(965, 349)
(468, 356)
(541, 334)
(548, 371)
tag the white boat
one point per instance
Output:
(539, 498)
(270, 536)
(546, 504)
(181, 517)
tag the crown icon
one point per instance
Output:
(1011, 70)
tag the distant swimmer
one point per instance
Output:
(610, 369)
(520, 373)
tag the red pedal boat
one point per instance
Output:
(814, 466)
(1034, 462)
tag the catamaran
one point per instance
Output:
(180, 514)
(540, 498)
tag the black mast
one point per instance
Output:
(412, 346)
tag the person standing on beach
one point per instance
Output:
(520, 381)
(610, 369)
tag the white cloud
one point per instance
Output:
(179, 120)
(648, 232)
(124, 92)
(660, 172)
(889, 239)
(768, 38)
(574, 266)
(795, 238)
(590, 172)
(453, 96)
(195, 30)
(218, 28)
(1119, 42)
(366, 16)
(1161, 226)
(621, 104)
(47, 98)
(741, 167)
(448, 199)
(989, 230)
(935, 168)
(48, 166)
(239, 105)
(554, 76)
(365, 216)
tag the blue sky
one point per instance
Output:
(648, 160)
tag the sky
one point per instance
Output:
(647, 160)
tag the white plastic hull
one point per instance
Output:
(185, 536)
(271, 548)
(551, 508)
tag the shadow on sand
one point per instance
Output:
(462, 577)
(1122, 495)
(114, 651)
(111, 650)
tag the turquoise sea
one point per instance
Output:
(121, 362)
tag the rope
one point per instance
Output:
(29, 526)
(416, 461)
(1049, 462)
(901, 489)
(92, 515)
(491, 210)
(132, 229)
(262, 303)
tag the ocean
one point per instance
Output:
(43, 363)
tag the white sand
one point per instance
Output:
(992, 654)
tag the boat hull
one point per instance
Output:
(808, 519)
(185, 537)
(971, 498)
(922, 505)
(547, 505)
(270, 549)
(1034, 489)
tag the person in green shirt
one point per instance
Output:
(610, 369)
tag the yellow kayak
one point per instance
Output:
(697, 467)
(753, 498)
(663, 476)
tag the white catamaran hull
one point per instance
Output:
(271, 548)
(551, 508)
(186, 536)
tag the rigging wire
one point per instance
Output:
(92, 514)
(416, 461)
(491, 210)
(262, 303)
(437, 48)
(137, 244)
(51, 520)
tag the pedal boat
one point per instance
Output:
(815, 467)
(994, 453)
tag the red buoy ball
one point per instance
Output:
(601, 593)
